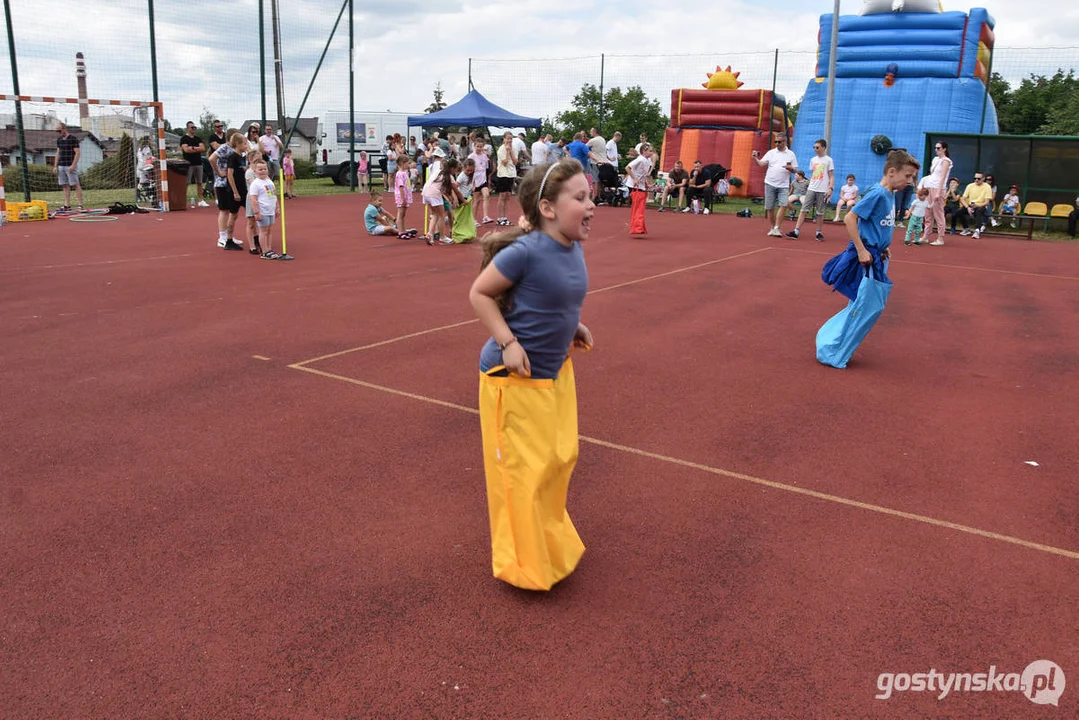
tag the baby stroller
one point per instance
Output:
(146, 189)
(610, 186)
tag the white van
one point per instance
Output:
(370, 130)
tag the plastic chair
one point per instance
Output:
(1037, 209)
(1060, 211)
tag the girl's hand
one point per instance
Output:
(515, 359)
(582, 339)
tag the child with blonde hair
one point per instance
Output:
(529, 295)
(915, 216)
(289, 169)
(402, 189)
(264, 201)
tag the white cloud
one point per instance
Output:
(208, 49)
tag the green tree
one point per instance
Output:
(1039, 106)
(205, 124)
(630, 112)
(792, 112)
(437, 104)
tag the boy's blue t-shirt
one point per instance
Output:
(876, 216)
(370, 218)
(550, 281)
(579, 152)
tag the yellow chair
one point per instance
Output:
(1034, 210)
(1060, 211)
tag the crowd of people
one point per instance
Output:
(244, 166)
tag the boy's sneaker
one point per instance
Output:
(820, 236)
(233, 245)
(966, 231)
(203, 203)
(221, 242)
(793, 234)
(977, 234)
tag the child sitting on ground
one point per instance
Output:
(380, 222)
(915, 216)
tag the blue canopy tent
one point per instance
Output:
(473, 110)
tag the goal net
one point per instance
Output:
(120, 156)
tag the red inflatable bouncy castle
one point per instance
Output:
(724, 125)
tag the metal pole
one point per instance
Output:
(471, 87)
(985, 100)
(832, 52)
(153, 51)
(322, 57)
(262, 58)
(772, 99)
(19, 131)
(351, 106)
(599, 123)
(279, 73)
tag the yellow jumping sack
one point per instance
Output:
(529, 451)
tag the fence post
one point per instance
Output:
(985, 100)
(351, 106)
(772, 100)
(262, 59)
(829, 102)
(471, 87)
(600, 122)
(20, 132)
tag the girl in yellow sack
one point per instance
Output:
(529, 295)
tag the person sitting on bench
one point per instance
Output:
(677, 182)
(700, 188)
(976, 199)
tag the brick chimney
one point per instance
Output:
(80, 73)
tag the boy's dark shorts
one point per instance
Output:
(226, 201)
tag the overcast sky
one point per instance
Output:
(208, 49)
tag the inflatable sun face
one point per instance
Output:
(723, 80)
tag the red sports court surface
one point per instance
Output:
(240, 488)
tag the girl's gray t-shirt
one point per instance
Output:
(550, 281)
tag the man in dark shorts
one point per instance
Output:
(192, 147)
(229, 164)
(66, 165)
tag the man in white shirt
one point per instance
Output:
(780, 163)
(612, 148)
(821, 185)
(539, 151)
(272, 148)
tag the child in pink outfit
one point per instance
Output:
(402, 189)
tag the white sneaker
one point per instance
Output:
(966, 231)
(203, 203)
(774, 232)
(706, 211)
(221, 242)
(685, 209)
(994, 222)
(977, 234)
(937, 243)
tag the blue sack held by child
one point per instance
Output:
(841, 335)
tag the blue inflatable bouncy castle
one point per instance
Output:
(898, 74)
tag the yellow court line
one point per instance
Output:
(952, 267)
(440, 328)
(880, 509)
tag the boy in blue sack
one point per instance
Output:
(860, 271)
